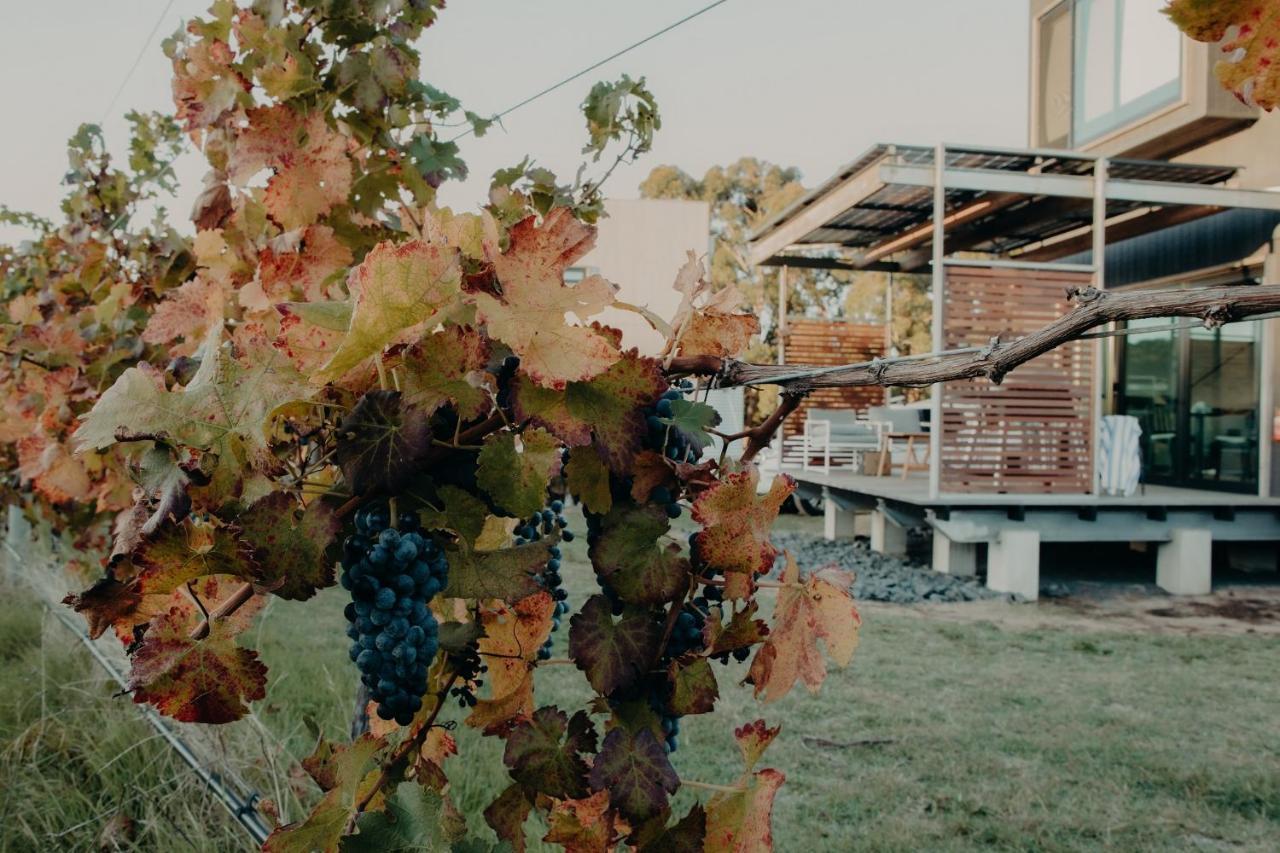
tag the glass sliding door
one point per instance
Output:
(1195, 394)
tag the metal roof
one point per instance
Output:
(999, 201)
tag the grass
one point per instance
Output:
(941, 735)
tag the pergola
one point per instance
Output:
(911, 208)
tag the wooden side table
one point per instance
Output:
(911, 462)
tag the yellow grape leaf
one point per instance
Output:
(307, 268)
(396, 287)
(741, 821)
(1251, 28)
(723, 335)
(187, 312)
(736, 524)
(817, 608)
(512, 636)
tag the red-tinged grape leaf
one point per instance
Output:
(428, 764)
(721, 335)
(546, 752)
(736, 523)
(495, 715)
(742, 821)
(588, 479)
(582, 825)
(686, 835)
(612, 654)
(289, 544)
(105, 603)
(192, 549)
(506, 816)
(381, 442)
(693, 687)
(463, 514)
(508, 574)
(394, 289)
(820, 607)
(650, 470)
(516, 476)
(205, 83)
(1251, 64)
(195, 681)
(753, 739)
(348, 771)
(629, 555)
(210, 591)
(443, 368)
(512, 636)
(530, 316)
(413, 818)
(187, 312)
(307, 345)
(634, 768)
(607, 406)
(743, 630)
(52, 471)
(308, 269)
(283, 67)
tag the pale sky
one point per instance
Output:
(810, 83)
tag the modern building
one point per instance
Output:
(1140, 172)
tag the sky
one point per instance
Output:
(807, 83)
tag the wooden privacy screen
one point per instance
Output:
(1032, 434)
(830, 342)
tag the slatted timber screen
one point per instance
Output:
(831, 342)
(1032, 434)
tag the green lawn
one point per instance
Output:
(941, 735)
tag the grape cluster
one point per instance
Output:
(468, 666)
(392, 574)
(537, 526)
(672, 442)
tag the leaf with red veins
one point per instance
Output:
(742, 821)
(394, 290)
(753, 739)
(193, 549)
(588, 479)
(447, 367)
(634, 768)
(195, 681)
(612, 654)
(1251, 28)
(630, 556)
(820, 607)
(720, 335)
(515, 469)
(736, 524)
(693, 687)
(187, 313)
(507, 814)
(289, 544)
(205, 83)
(309, 269)
(546, 752)
(348, 772)
(607, 406)
(509, 647)
(530, 315)
(582, 825)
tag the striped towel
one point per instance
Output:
(1120, 457)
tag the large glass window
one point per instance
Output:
(1128, 62)
(1053, 78)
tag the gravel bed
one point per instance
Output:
(879, 577)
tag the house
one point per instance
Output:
(1119, 187)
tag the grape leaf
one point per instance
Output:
(753, 739)
(743, 629)
(512, 636)
(193, 549)
(530, 316)
(508, 574)
(820, 607)
(195, 681)
(507, 815)
(205, 84)
(381, 443)
(306, 344)
(411, 820)
(685, 836)
(634, 768)
(582, 825)
(741, 821)
(545, 752)
(517, 478)
(607, 406)
(1251, 65)
(347, 770)
(716, 334)
(691, 420)
(693, 687)
(463, 514)
(289, 546)
(446, 367)
(628, 556)
(612, 654)
(736, 523)
(306, 268)
(105, 603)
(649, 471)
(588, 479)
(187, 312)
(395, 288)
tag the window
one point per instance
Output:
(1128, 63)
(1053, 78)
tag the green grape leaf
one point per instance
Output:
(612, 654)
(607, 406)
(507, 814)
(446, 367)
(686, 835)
(347, 771)
(195, 681)
(463, 514)
(381, 443)
(509, 574)
(1251, 28)
(414, 819)
(629, 557)
(693, 687)
(635, 770)
(692, 420)
(545, 753)
(289, 545)
(736, 524)
(588, 479)
(184, 552)
(517, 477)
(395, 288)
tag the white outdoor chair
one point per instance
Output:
(837, 438)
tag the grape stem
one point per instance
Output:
(711, 786)
(401, 752)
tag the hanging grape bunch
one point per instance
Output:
(533, 529)
(392, 575)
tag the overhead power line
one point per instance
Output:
(137, 60)
(593, 66)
